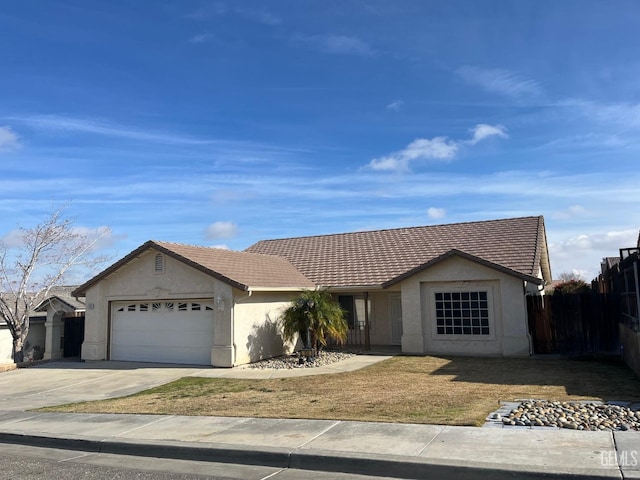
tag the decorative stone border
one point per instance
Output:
(323, 358)
(579, 415)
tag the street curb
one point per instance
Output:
(358, 464)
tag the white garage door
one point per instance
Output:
(165, 332)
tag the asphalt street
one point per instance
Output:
(34, 463)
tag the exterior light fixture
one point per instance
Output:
(219, 304)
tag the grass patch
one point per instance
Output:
(438, 390)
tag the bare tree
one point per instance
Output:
(37, 259)
(573, 276)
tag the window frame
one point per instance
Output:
(456, 294)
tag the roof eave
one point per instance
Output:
(467, 256)
(352, 288)
(41, 307)
(543, 260)
(281, 289)
(81, 291)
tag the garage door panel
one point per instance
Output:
(168, 332)
(165, 355)
(182, 336)
(201, 339)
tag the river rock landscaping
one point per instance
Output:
(323, 358)
(574, 415)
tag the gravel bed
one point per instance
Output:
(325, 357)
(573, 415)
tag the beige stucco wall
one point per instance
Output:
(137, 281)
(36, 337)
(55, 329)
(6, 344)
(379, 321)
(257, 331)
(245, 330)
(509, 331)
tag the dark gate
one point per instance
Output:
(574, 323)
(73, 336)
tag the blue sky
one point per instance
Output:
(223, 123)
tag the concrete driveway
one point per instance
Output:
(68, 382)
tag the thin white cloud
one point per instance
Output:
(499, 81)
(12, 239)
(436, 213)
(573, 211)
(206, 11)
(201, 38)
(98, 127)
(221, 230)
(221, 246)
(260, 15)
(625, 116)
(8, 139)
(482, 131)
(215, 9)
(336, 44)
(104, 236)
(590, 141)
(396, 105)
(437, 148)
(238, 150)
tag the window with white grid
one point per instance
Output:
(462, 313)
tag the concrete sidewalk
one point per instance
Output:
(379, 449)
(393, 450)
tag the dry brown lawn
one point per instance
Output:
(451, 391)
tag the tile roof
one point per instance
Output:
(381, 257)
(62, 293)
(243, 268)
(240, 269)
(373, 258)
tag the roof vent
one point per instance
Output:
(159, 263)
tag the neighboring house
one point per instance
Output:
(446, 289)
(621, 276)
(55, 328)
(34, 346)
(64, 323)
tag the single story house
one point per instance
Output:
(56, 328)
(34, 345)
(444, 289)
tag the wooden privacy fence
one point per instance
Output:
(574, 323)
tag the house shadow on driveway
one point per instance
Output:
(609, 380)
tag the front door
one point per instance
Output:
(73, 336)
(395, 316)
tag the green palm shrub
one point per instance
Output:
(316, 312)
